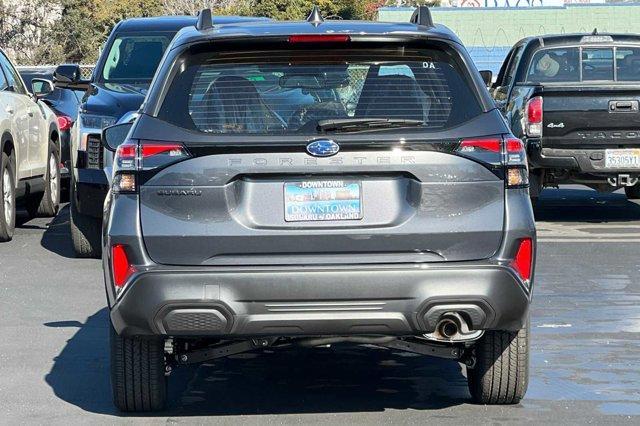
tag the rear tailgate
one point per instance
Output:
(591, 117)
(230, 209)
(254, 192)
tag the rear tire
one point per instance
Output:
(138, 381)
(7, 199)
(86, 232)
(633, 192)
(501, 373)
(48, 203)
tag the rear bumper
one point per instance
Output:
(391, 300)
(589, 161)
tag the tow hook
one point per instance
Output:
(622, 180)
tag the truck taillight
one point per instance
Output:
(133, 157)
(533, 119)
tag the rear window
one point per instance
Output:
(575, 64)
(134, 58)
(281, 92)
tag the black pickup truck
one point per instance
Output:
(574, 100)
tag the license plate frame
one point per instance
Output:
(327, 200)
(622, 158)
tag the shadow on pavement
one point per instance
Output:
(585, 205)
(57, 236)
(335, 380)
(80, 373)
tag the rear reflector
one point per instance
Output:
(319, 38)
(120, 265)
(522, 261)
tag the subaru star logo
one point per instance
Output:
(323, 148)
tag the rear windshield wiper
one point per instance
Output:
(346, 124)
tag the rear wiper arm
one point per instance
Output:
(365, 123)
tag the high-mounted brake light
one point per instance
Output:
(522, 262)
(120, 265)
(533, 119)
(64, 122)
(319, 38)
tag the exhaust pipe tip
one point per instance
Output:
(448, 328)
(453, 327)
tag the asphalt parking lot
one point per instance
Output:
(585, 342)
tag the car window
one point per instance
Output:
(503, 67)
(555, 65)
(628, 64)
(291, 91)
(134, 58)
(13, 78)
(597, 64)
(513, 66)
(3, 81)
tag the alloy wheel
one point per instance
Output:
(53, 178)
(7, 196)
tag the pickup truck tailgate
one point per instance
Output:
(587, 117)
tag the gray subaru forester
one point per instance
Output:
(314, 183)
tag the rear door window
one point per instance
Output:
(585, 63)
(597, 64)
(283, 92)
(628, 64)
(555, 65)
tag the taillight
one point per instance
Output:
(473, 145)
(517, 175)
(533, 118)
(498, 152)
(523, 260)
(319, 38)
(64, 122)
(121, 267)
(133, 157)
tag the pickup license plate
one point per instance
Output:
(322, 200)
(622, 159)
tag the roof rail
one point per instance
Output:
(205, 21)
(422, 16)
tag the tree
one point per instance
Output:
(25, 27)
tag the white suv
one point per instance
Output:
(29, 149)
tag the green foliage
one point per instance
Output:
(85, 24)
(299, 9)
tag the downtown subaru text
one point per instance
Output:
(312, 183)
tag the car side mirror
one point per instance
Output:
(41, 87)
(114, 136)
(69, 76)
(487, 77)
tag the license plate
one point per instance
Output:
(322, 200)
(622, 159)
